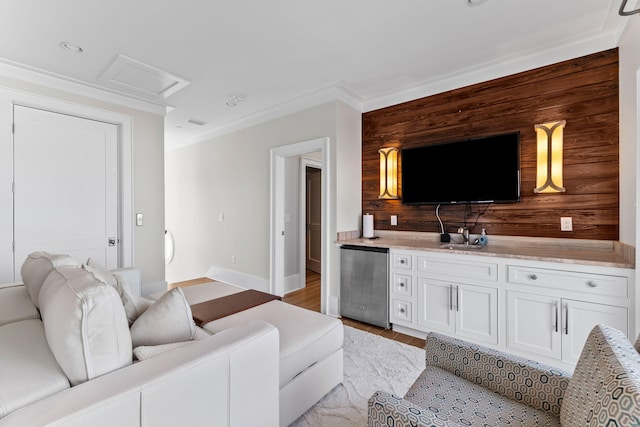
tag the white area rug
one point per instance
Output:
(371, 363)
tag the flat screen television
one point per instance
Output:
(480, 170)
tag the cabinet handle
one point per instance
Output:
(450, 297)
(566, 319)
(402, 284)
(592, 284)
(533, 276)
(402, 310)
(403, 261)
(457, 298)
(556, 327)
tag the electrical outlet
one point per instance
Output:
(233, 259)
(566, 223)
(220, 217)
(394, 219)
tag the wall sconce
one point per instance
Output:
(549, 176)
(388, 173)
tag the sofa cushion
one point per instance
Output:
(133, 304)
(28, 370)
(37, 267)
(85, 324)
(605, 387)
(306, 336)
(455, 399)
(16, 305)
(168, 320)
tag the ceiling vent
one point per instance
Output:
(196, 122)
(133, 75)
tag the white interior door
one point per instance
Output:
(65, 187)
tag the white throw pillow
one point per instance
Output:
(85, 324)
(134, 305)
(168, 320)
(37, 267)
(147, 351)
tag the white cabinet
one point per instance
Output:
(402, 296)
(468, 311)
(539, 309)
(551, 312)
(534, 324)
(437, 292)
(402, 293)
(580, 317)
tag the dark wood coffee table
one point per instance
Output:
(208, 311)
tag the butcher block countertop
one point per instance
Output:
(604, 253)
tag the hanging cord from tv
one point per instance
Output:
(477, 217)
(439, 220)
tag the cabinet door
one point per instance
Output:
(579, 317)
(476, 312)
(435, 303)
(533, 324)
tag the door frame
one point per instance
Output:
(125, 158)
(277, 209)
(304, 162)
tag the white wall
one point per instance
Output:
(148, 175)
(230, 175)
(629, 55)
(349, 169)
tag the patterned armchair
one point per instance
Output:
(470, 385)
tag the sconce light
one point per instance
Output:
(549, 176)
(388, 173)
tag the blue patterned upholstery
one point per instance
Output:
(605, 388)
(470, 385)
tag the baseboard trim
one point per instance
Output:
(292, 283)
(237, 278)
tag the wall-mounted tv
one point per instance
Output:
(479, 170)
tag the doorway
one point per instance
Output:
(313, 218)
(278, 214)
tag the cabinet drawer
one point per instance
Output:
(401, 261)
(458, 268)
(401, 285)
(401, 310)
(591, 283)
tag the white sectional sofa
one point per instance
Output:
(311, 355)
(66, 359)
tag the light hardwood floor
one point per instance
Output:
(309, 298)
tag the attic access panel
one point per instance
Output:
(131, 74)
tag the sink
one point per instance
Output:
(461, 246)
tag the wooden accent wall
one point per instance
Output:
(582, 91)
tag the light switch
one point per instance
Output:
(220, 217)
(139, 219)
(566, 223)
(394, 219)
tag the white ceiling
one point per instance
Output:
(283, 55)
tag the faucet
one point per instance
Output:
(465, 235)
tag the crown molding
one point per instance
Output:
(57, 81)
(331, 93)
(493, 70)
